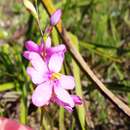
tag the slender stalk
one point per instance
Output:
(61, 118)
(38, 21)
(41, 118)
(23, 100)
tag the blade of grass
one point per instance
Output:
(99, 51)
(61, 118)
(6, 86)
(55, 37)
(76, 72)
(23, 88)
(121, 76)
(23, 111)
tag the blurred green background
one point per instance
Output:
(101, 31)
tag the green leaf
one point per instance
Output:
(79, 92)
(23, 105)
(6, 86)
(31, 8)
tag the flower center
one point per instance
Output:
(44, 54)
(55, 76)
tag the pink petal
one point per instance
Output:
(63, 95)
(60, 48)
(60, 103)
(36, 77)
(42, 94)
(67, 82)
(76, 99)
(8, 124)
(48, 42)
(56, 62)
(68, 108)
(55, 17)
(31, 46)
(37, 62)
(26, 54)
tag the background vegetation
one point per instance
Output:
(100, 30)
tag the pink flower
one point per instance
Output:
(51, 85)
(55, 17)
(45, 50)
(8, 124)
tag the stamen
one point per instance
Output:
(55, 76)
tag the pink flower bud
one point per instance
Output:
(55, 17)
(77, 100)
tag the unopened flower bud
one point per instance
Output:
(77, 100)
(55, 17)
